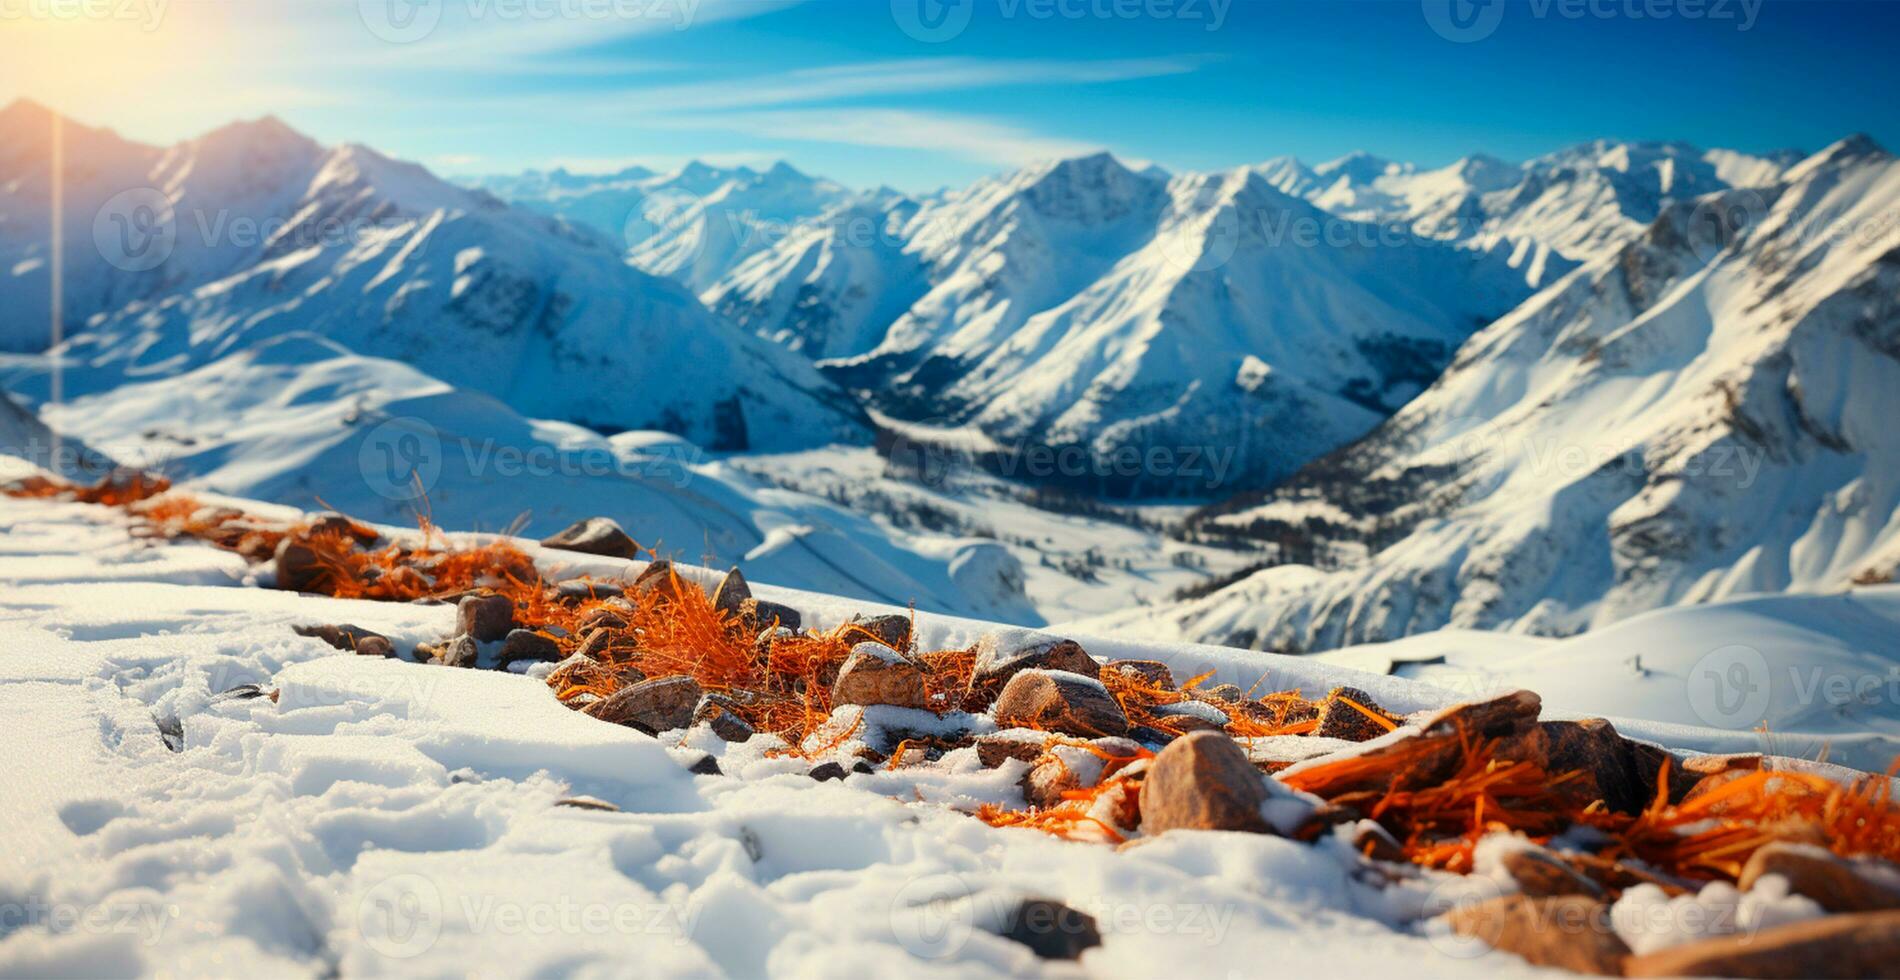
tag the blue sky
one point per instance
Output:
(921, 93)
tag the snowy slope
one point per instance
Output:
(693, 225)
(302, 421)
(1696, 417)
(273, 234)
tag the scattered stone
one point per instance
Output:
(1568, 932)
(1541, 874)
(1835, 883)
(1191, 716)
(375, 646)
(1151, 672)
(594, 536)
(660, 578)
(1615, 770)
(342, 637)
(827, 771)
(1203, 781)
(1065, 769)
(1226, 692)
(877, 674)
(580, 589)
(1059, 701)
(171, 731)
(994, 748)
(587, 803)
(653, 706)
(1864, 944)
(762, 614)
(729, 598)
(721, 714)
(579, 670)
(461, 651)
(333, 523)
(298, 567)
(892, 630)
(1339, 718)
(599, 617)
(1001, 656)
(242, 692)
(485, 617)
(529, 645)
(580, 701)
(1051, 930)
(1377, 843)
(707, 765)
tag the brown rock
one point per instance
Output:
(485, 617)
(1000, 656)
(1568, 932)
(1058, 701)
(1864, 944)
(1190, 716)
(652, 706)
(460, 652)
(1225, 692)
(1541, 874)
(994, 748)
(298, 567)
(729, 598)
(892, 630)
(1339, 718)
(529, 645)
(721, 714)
(374, 645)
(599, 617)
(587, 803)
(1615, 770)
(1837, 884)
(763, 614)
(1150, 672)
(582, 589)
(594, 536)
(342, 637)
(660, 578)
(877, 674)
(1063, 770)
(1051, 930)
(1203, 781)
(579, 670)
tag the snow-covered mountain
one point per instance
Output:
(1702, 414)
(694, 224)
(254, 231)
(1083, 307)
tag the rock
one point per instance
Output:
(1864, 944)
(1340, 719)
(242, 692)
(1051, 930)
(1001, 656)
(863, 766)
(1377, 843)
(706, 765)
(1615, 770)
(1059, 701)
(298, 567)
(579, 670)
(825, 771)
(1429, 755)
(528, 645)
(461, 651)
(994, 748)
(485, 617)
(660, 579)
(652, 706)
(1541, 874)
(594, 536)
(374, 645)
(602, 643)
(1190, 716)
(587, 803)
(1065, 769)
(721, 714)
(1568, 932)
(1835, 883)
(342, 637)
(1153, 673)
(877, 674)
(892, 630)
(600, 617)
(729, 598)
(763, 614)
(1226, 692)
(1203, 781)
(330, 523)
(581, 589)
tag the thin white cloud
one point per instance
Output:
(981, 140)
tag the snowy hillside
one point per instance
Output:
(260, 232)
(1696, 417)
(693, 225)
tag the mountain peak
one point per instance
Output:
(1358, 166)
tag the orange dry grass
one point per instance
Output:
(1073, 818)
